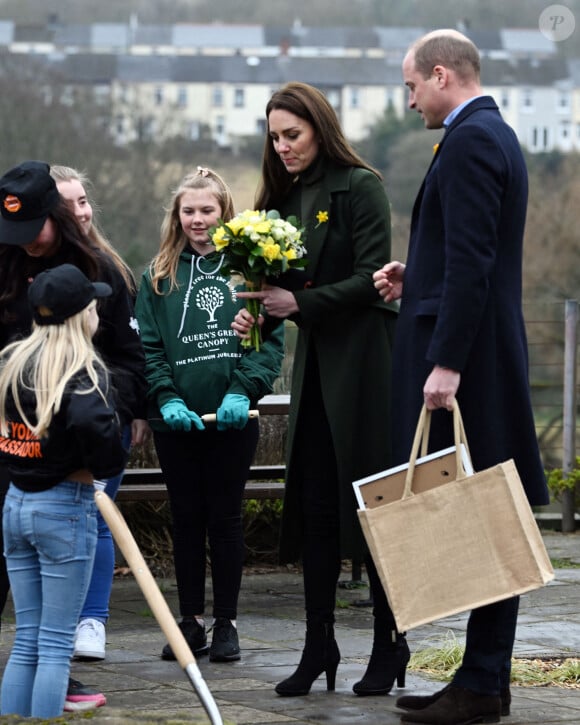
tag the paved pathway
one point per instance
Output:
(142, 688)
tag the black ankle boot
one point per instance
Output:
(388, 661)
(320, 655)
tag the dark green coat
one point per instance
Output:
(351, 328)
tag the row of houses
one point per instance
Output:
(215, 80)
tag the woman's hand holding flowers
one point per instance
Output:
(277, 301)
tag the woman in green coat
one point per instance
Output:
(339, 423)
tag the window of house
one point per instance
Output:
(334, 99)
(527, 100)
(217, 99)
(158, 95)
(195, 130)
(563, 101)
(182, 97)
(239, 98)
(565, 131)
(355, 98)
(540, 138)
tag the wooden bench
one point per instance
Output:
(146, 484)
(264, 482)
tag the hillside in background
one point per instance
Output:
(421, 13)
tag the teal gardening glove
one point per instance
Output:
(178, 417)
(233, 412)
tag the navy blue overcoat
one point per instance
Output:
(461, 305)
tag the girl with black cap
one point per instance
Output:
(38, 231)
(58, 429)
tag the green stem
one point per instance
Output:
(253, 307)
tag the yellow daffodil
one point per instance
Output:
(322, 218)
(219, 239)
(259, 244)
(271, 252)
(235, 225)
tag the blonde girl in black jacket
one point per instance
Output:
(58, 430)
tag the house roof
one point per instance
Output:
(275, 71)
(153, 35)
(486, 40)
(272, 71)
(32, 34)
(523, 71)
(110, 35)
(574, 69)
(398, 39)
(6, 32)
(335, 37)
(73, 36)
(526, 40)
(86, 68)
(217, 36)
(145, 68)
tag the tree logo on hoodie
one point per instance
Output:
(209, 299)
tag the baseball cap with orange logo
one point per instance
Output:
(28, 194)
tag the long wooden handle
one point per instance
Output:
(211, 417)
(159, 607)
(142, 574)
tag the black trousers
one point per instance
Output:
(314, 459)
(491, 631)
(205, 473)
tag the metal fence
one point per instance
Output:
(551, 342)
(552, 328)
(553, 345)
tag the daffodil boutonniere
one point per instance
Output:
(256, 245)
(321, 218)
(435, 147)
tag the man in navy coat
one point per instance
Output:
(461, 332)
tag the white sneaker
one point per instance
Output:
(89, 640)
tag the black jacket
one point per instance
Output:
(84, 434)
(117, 339)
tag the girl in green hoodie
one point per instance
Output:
(195, 364)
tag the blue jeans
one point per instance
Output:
(49, 544)
(96, 605)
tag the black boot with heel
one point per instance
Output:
(320, 655)
(387, 663)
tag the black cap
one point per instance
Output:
(28, 194)
(61, 292)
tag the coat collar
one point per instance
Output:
(330, 179)
(479, 104)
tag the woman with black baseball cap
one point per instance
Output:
(39, 231)
(58, 430)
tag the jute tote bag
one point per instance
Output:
(458, 545)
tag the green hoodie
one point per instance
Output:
(191, 351)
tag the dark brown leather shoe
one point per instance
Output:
(420, 702)
(457, 706)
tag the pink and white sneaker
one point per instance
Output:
(79, 697)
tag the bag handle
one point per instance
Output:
(422, 438)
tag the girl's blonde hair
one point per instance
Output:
(173, 240)
(43, 365)
(95, 235)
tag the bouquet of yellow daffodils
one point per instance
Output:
(256, 245)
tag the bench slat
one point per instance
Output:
(146, 484)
